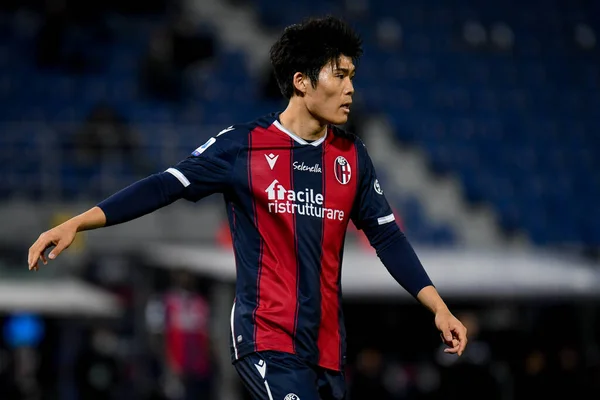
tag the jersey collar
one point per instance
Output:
(297, 138)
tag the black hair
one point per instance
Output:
(310, 45)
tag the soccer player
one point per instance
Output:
(291, 181)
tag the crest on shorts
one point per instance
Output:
(377, 187)
(291, 396)
(342, 169)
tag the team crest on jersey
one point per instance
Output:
(291, 396)
(342, 169)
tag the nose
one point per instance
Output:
(349, 88)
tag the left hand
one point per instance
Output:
(452, 331)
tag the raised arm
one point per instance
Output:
(141, 198)
(206, 171)
(62, 236)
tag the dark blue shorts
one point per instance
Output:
(270, 375)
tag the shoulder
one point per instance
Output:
(234, 137)
(238, 133)
(350, 139)
(342, 134)
(264, 121)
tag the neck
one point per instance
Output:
(297, 119)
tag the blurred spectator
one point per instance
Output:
(570, 375)
(534, 379)
(389, 33)
(191, 45)
(367, 378)
(107, 136)
(7, 380)
(23, 333)
(180, 322)
(469, 376)
(474, 33)
(97, 369)
(357, 8)
(160, 79)
(71, 35)
(585, 36)
(502, 36)
(172, 50)
(51, 36)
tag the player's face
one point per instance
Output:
(330, 100)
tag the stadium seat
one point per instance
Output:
(518, 127)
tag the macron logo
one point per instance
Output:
(276, 191)
(271, 159)
(262, 368)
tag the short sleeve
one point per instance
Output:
(208, 169)
(371, 207)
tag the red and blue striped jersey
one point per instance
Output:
(289, 203)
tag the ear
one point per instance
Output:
(301, 82)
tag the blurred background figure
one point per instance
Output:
(367, 378)
(172, 51)
(105, 134)
(471, 374)
(180, 321)
(97, 366)
(481, 118)
(535, 377)
(23, 333)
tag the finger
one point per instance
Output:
(36, 250)
(460, 340)
(32, 264)
(450, 343)
(444, 340)
(462, 337)
(36, 255)
(32, 258)
(452, 348)
(43, 258)
(60, 246)
(447, 335)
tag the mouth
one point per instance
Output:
(346, 106)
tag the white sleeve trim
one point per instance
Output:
(180, 177)
(386, 219)
(232, 320)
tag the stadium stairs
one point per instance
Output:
(445, 219)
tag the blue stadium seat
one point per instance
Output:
(519, 128)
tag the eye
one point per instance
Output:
(341, 76)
